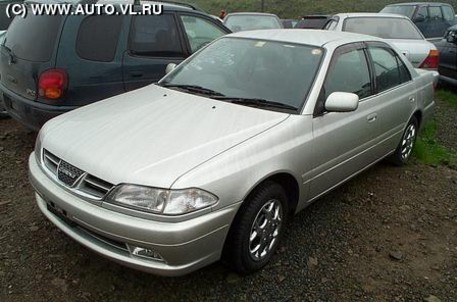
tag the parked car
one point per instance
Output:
(251, 21)
(210, 162)
(78, 60)
(289, 23)
(313, 21)
(448, 56)
(432, 18)
(3, 113)
(396, 29)
(4, 23)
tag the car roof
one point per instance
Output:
(376, 15)
(253, 13)
(312, 37)
(166, 4)
(418, 3)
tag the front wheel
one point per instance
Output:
(405, 147)
(257, 229)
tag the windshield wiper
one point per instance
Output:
(194, 88)
(255, 102)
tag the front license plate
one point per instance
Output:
(61, 213)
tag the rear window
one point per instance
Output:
(98, 37)
(34, 37)
(317, 23)
(383, 27)
(405, 10)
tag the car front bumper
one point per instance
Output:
(185, 246)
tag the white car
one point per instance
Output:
(211, 161)
(396, 29)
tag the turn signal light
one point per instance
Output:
(52, 83)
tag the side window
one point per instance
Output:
(389, 70)
(349, 73)
(422, 12)
(97, 37)
(200, 31)
(155, 36)
(331, 25)
(448, 14)
(435, 13)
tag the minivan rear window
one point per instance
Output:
(34, 37)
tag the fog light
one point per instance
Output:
(145, 253)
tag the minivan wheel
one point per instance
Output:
(405, 147)
(257, 229)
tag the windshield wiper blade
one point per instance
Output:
(256, 102)
(194, 88)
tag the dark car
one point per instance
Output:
(4, 23)
(448, 56)
(313, 21)
(432, 18)
(52, 64)
(289, 23)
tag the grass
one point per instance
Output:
(427, 149)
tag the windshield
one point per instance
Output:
(251, 22)
(405, 10)
(383, 27)
(251, 69)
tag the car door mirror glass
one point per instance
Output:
(450, 38)
(342, 102)
(170, 68)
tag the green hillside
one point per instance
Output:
(295, 8)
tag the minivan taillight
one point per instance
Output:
(52, 83)
(432, 59)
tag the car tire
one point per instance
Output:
(257, 229)
(404, 149)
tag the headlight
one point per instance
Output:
(161, 201)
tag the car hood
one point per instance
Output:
(415, 50)
(153, 135)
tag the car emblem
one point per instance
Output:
(68, 174)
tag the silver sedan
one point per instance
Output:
(396, 29)
(210, 162)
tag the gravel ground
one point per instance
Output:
(390, 234)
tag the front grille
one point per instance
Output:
(75, 178)
(67, 173)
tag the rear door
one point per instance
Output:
(154, 42)
(394, 100)
(29, 47)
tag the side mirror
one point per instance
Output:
(342, 102)
(170, 68)
(450, 38)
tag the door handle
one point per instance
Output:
(372, 117)
(412, 99)
(136, 74)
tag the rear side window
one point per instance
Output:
(390, 71)
(98, 37)
(155, 36)
(34, 37)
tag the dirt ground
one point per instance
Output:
(390, 234)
